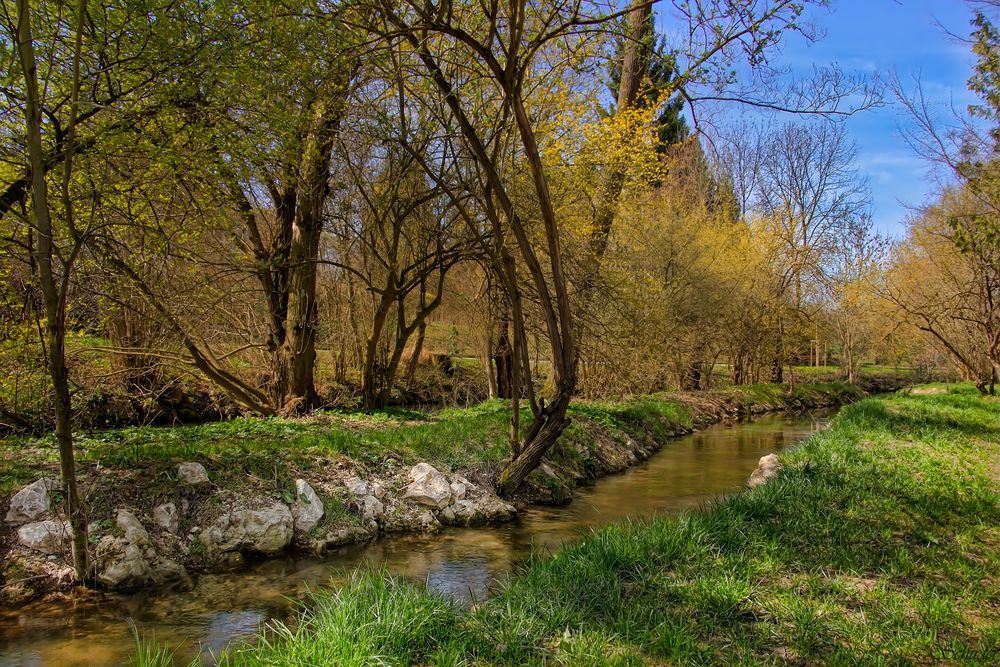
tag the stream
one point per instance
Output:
(462, 563)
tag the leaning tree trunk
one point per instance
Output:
(542, 434)
(418, 344)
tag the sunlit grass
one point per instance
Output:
(454, 438)
(876, 545)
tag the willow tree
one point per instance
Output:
(268, 117)
(231, 189)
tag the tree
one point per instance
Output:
(967, 147)
(950, 294)
(811, 194)
(55, 264)
(249, 160)
(851, 283)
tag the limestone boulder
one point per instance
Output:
(489, 508)
(32, 502)
(134, 531)
(307, 510)
(125, 565)
(49, 537)
(767, 469)
(356, 487)
(192, 473)
(428, 487)
(342, 536)
(460, 513)
(429, 522)
(372, 508)
(121, 564)
(167, 517)
(268, 529)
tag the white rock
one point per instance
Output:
(134, 531)
(49, 537)
(372, 507)
(421, 470)
(124, 565)
(307, 509)
(490, 508)
(429, 521)
(460, 513)
(469, 486)
(429, 487)
(31, 502)
(356, 486)
(457, 490)
(378, 490)
(120, 564)
(167, 517)
(767, 469)
(465, 511)
(192, 473)
(166, 569)
(267, 530)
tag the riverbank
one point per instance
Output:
(167, 502)
(877, 543)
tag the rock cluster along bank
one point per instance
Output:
(205, 527)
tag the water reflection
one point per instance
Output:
(463, 564)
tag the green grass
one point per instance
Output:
(254, 445)
(454, 438)
(801, 395)
(877, 545)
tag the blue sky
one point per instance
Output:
(881, 37)
(911, 38)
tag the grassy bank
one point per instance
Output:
(877, 545)
(454, 438)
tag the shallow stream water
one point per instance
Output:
(462, 563)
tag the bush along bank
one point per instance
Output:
(875, 544)
(167, 502)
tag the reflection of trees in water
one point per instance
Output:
(460, 563)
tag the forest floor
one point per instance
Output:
(879, 543)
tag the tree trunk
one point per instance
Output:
(53, 296)
(370, 388)
(543, 433)
(418, 348)
(296, 356)
(635, 63)
(502, 359)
